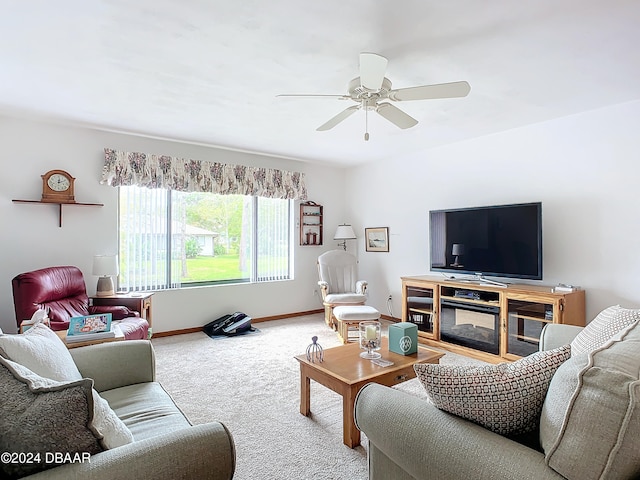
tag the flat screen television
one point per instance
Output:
(499, 240)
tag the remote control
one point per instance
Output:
(381, 362)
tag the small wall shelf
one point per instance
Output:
(310, 223)
(59, 204)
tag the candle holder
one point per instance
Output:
(370, 335)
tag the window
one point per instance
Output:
(170, 239)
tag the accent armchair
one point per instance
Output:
(339, 284)
(62, 292)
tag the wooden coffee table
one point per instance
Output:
(344, 372)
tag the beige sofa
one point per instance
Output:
(165, 444)
(589, 426)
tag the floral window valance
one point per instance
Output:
(161, 171)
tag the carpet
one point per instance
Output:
(214, 336)
(251, 384)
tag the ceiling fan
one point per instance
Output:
(372, 90)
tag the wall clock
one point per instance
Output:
(57, 186)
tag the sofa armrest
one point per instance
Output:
(361, 286)
(202, 451)
(426, 442)
(556, 335)
(116, 364)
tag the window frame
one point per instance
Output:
(254, 258)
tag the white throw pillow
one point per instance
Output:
(41, 351)
(114, 432)
(506, 398)
(606, 324)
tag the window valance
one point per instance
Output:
(161, 171)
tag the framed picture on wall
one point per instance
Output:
(376, 239)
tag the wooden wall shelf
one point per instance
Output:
(311, 226)
(59, 204)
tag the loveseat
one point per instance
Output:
(588, 426)
(153, 440)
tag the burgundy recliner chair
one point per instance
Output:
(62, 291)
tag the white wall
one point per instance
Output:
(583, 168)
(31, 238)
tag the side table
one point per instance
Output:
(140, 302)
(63, 336)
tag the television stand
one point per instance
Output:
(491, 322)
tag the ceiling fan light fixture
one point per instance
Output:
(372, 69)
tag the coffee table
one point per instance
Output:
(344, 372)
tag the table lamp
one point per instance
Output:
(457, 250)
(105, 266)
(344, 232)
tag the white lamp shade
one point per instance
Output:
(344, 232)
(457, 249)
(105, 265)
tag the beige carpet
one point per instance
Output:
(251, 384)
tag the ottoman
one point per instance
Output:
(348, 318)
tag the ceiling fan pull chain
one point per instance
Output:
(366, 122)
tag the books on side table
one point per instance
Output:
(89, 337)
(91, 327)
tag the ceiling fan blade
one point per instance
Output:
(395, 115)
(426, 92)
(314, 95)
(372, 70)
(338, 118)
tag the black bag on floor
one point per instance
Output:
(229, 325)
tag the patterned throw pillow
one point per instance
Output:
(597, 332)
(40, 416)
(506, 398)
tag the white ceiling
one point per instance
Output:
(208, 71)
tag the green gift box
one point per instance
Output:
(403, 338)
